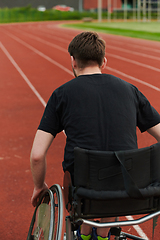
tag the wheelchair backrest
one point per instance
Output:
(128, 170)
(116, 183)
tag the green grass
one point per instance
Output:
(26, 14)
(144, 30)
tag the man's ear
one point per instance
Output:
(104, 63)
(73, 62)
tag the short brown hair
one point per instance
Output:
(87, 48)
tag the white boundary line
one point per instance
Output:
(134, 62)
(133, 52)
(40, 53)
(133, 44)
(138, 229)
(45, 42)
(22, 74)
(133, 78)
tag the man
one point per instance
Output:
(97, 111)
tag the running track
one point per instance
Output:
(33, 62)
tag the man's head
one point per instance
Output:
(88, 49)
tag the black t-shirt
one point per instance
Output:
(98, 112)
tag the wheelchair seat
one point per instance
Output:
(123, 182)
(113, 184)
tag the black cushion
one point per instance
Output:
(102, 171)
(117, 183)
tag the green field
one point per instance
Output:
(29, 14)
(144, 30)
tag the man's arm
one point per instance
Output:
(155, 132)
(40, 147)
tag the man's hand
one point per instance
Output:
(37, 193)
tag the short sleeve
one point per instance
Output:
(51, 119)
(147, 116)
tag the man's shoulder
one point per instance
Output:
(68, 83)
(115, 79)
(65, 88)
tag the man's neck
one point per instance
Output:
(89, 70)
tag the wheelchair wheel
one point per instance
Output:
(48, 218)
(59, 213)
(41, 227)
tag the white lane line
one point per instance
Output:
(134, 62)
(133, 44)
(49, 34)
(22, 74)
(138, 229)
(133, 78)
(133, 52)
(45, 42)
(156, 50)
(40, 54)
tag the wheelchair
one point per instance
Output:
(105, 184)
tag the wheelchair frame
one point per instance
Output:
(59, 199)
(72, 224)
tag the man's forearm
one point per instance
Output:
(38, 168)
(40, 146)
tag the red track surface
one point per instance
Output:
(37, 52)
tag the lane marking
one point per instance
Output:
(46, 42)
(131, 43)
(138, 229)
(49, 34)
(134, 52)
(133, 78)
(22, 74)
(40, 54)
(134, 62)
